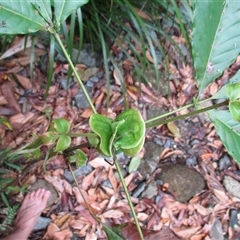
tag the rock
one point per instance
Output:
(224, 163)
(161, 85)
(107, 184)
(150, 160)
(183, 181)
(42, 223)
(153, 111)
(140, 188)
(216, 232)
(87, 56)
(151, 190)
(84, 170)
(41, 183)
(233, 223)
(232, 186)
(80, 100)
(191, 161)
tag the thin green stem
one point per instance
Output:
(74, 70)
(129, 200)
(174, 111)
(82, 135)
(149, 125)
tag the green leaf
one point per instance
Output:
(228, 131)
(115, 126)
(93, 140)
(64, 8)
(61, 125)
(19, 17)
(79, 157)
(112, 234)
(222, 93)
(216, 38)
(234, 107)
(63, 143)
(43, 8)
(131, 132)
(102, 127)
(134, 164)
(46, 138)
(135, 150)
(233, 91)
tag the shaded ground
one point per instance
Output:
(210, 213)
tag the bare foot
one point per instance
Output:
(32, 206)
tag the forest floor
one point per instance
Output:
(210, 212)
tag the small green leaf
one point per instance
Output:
(234, 107)
(112, 234)
(63, 143)
(46, 138)
(102, 127)
(93, 140)
(134, 164)
(131, 133)
(79, 157)
(61, 125)
(233, 91)
(222, 93)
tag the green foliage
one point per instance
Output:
(134, 164)
(79, 157)
(126, 132)
(228, 130)
(28, 16)
(215, 47)
(215, 38)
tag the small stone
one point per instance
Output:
(216, 232)
(89, 84)
(65, 83)
(233, 218)
(84, 170)
(151, 190)
(232, 186)
(107, 184)
(167, 144)
(81, 101)
(140, 188)
(42, 223)
(183, 181)
(94, 79)
(224, 163)
(191, 162)
(150, 160)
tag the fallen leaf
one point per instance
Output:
(8, 91)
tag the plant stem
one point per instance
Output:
(174, 111)
(149, 125)
(129, 200)
(74, 70)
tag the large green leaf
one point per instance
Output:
(20, 17)
(64, 8)
(228, 131)
(216, 38)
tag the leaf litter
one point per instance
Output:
(160, 218)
